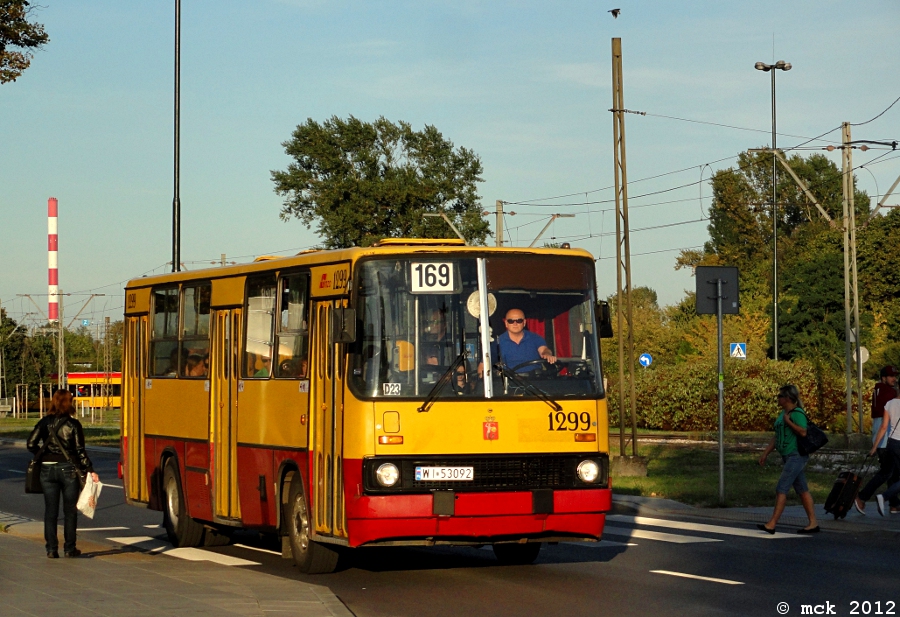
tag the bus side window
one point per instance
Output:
(164, 359)
(195, 330)
(292, 334)
(260, 313)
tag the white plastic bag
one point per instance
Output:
(90, 494)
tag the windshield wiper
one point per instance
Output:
(509, 374)
(443, 381)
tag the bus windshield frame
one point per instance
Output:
(417, 314)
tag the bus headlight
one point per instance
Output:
(588, 471)
(387, 474)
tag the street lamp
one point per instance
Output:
(770, 68)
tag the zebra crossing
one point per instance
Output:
(641, 527)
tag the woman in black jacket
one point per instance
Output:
(63, 462)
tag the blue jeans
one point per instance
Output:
(793, 475)
(57, 479)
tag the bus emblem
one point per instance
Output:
(491, 430)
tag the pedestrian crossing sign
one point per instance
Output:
(739, 351)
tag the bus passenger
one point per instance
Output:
(436, 348)
(264, 371)
(297, 367)
(461, 384)
(195, 366)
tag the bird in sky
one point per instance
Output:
(615, 13)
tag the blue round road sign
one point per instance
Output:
(645, 359)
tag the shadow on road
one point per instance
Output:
(399, 559)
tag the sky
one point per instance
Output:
(526, 85)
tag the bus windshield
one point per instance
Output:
(418, 315)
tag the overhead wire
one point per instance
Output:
(686, 248)
(798, 146)
(878, 116)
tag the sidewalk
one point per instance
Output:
(121, 580)
(793, 516)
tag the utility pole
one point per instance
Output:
(852, 332)
(499, 224)
(623, 256)
(176, 199)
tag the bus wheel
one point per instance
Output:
(181, 528)
(311, 557)
(517, 554)
(216, 537)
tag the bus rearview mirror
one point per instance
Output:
(604, 320)
(343, 325)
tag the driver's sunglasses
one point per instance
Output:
(512, 321)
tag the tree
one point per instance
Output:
(740, 233)
(16, 31)
(364, 181)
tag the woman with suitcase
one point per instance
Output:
(889, 427)
(790, 424)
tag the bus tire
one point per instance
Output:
(182, 529)
(517, 554)
(310, 556)
(216, 537)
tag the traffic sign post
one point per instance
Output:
(722, 282)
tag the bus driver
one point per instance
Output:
(518, 345)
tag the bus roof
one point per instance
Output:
(388, 246)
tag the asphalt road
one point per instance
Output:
(673, 566)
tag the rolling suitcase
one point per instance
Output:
(843, 493)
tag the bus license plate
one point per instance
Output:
(445, 474)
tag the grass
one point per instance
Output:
(691, 475)
(105, 434)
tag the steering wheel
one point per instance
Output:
(579, 368)
(550, 369)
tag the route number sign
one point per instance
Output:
(432, 277)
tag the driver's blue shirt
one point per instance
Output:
(513, 354)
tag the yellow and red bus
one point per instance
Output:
(359, 397)
(96, 389)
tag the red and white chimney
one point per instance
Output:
(52, 259)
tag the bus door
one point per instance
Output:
(136, 487)
(326, 413)
(223, 421)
